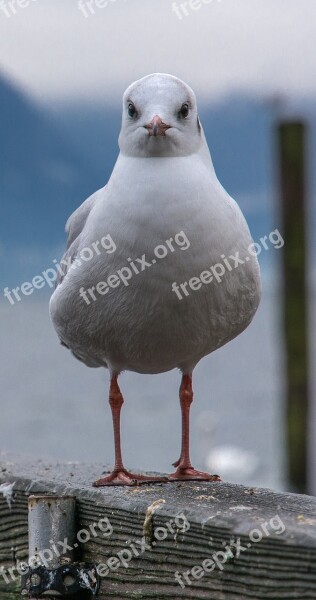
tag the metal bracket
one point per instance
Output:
(66, 580)
(49, 571)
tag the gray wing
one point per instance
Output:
(74, 227)
(77, 220)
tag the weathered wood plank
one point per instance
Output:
(196, 520)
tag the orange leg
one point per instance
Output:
(119, 475)
(185, 471)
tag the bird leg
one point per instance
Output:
(119, 475)
(185, 471)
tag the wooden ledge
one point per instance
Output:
(200, 540)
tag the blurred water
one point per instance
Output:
(54, 406)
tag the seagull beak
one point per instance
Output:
(157, 127)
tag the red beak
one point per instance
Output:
(157, 127)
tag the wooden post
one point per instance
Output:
(291, 141)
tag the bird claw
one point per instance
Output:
(124, 477)
(191, 474)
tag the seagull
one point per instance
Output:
(177, 276)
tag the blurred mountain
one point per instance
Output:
(43, 175)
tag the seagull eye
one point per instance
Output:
(131, 109)
(184, 110)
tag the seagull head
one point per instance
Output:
(160, 118)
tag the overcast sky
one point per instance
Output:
(255, 46)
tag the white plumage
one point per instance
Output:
(163, 183)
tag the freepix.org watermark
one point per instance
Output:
(216, 272)
(60, 548)
(136, 548)
(88, 7)
(183, 9)
(11, 7)
(231, 551)
(49, 276)
(135, 267)
(132, 550)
